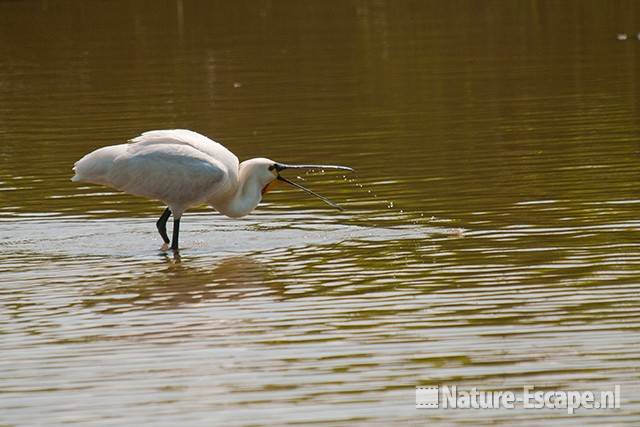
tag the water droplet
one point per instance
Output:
(622, 36)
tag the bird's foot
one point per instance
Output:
(164, 247)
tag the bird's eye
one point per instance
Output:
(272, 167)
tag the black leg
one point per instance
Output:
(176, 231)
(162, 225)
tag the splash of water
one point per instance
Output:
(414, 218)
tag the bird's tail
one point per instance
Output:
(95, 166)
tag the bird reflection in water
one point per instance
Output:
(179, 283)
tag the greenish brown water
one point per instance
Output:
(515, 122)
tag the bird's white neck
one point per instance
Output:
(245, 198)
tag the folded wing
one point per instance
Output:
(187, 137)
(179, 167)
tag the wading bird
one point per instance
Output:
(182, 169)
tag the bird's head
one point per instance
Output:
(267, 173)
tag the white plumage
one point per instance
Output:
(183, 168)
(178, 167)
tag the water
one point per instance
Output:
(489, 237)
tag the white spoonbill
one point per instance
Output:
(182, 169)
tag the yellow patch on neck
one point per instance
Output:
(268, 187)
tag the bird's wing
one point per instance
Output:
(179, 175)
(187, 137)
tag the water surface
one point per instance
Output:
(489, 237)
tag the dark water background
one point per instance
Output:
(490, 237)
